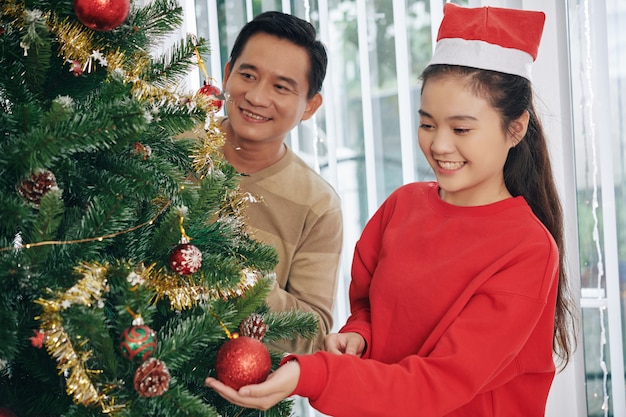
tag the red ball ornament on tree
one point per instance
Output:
(5, 412)
(102, 15)
(213, 93)
(138, 341)
(185, 259)
(243, 361)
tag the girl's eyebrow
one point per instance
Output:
(458, 117)
(462, 117)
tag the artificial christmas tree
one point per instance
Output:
(125, 263)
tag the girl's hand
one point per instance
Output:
(345, 343)
(278, 386)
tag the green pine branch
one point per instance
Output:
(123, 181)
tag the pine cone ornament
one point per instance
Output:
(36, 186)
(145, 151)
(253, 326)
(152, 378)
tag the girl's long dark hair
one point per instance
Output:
(527, 173)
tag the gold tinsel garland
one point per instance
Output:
(76, 43)
(75, 40)
(211, 139)
(70, 361)
(184, 292)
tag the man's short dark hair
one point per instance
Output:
(293, 29)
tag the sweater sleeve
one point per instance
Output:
(312, 280)
(299, 214)
(503, 331)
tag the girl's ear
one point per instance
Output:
(518, 128)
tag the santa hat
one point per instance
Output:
(492, 38)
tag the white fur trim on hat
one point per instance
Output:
(480, 54)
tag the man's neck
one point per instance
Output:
(250, 157)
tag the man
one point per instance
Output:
(272, 82)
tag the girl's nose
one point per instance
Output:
(442, 142)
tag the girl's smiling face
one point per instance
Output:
(465, 142)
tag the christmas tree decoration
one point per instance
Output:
(152, 378)
(102, 15)
(37, 185)
(183, 294)
(142, 150)
(185, 259)
(253, 326)
(38, 339)
(204, 157)
(213, 93)
(5, 412)
(71, 361)
(242, 361)
(138, 342)
(91, 214)
(76, 68)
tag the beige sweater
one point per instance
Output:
(299, 214)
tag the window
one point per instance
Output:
(598, 38)
(365, 134)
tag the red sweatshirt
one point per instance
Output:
(456, 305)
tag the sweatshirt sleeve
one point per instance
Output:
(498, 335)
(363, 265)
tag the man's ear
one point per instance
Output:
(518, 128)
(312, 105)
(227, 69)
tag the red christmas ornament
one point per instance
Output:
(76, 69)
(213, 93)
(243, 361)
(5, 412)
(102, 15)
(37, 341)
(185, 259)
(138, 341)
